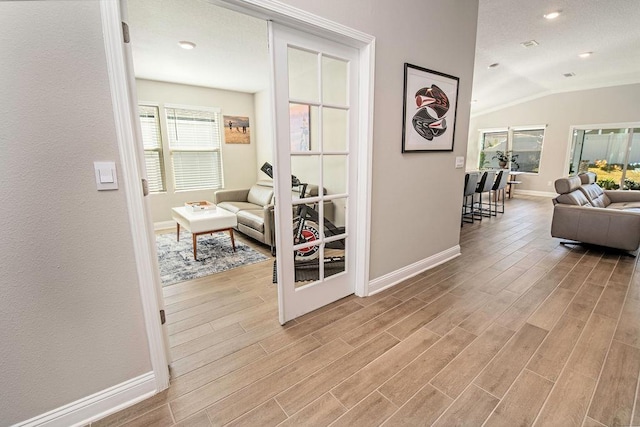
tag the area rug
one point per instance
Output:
(215, 255)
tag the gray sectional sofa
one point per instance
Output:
(586, 213)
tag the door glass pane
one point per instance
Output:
(334, 81)
(335, 217)
(335, 173)
(303, 75)
(306, 170)
(306, 265)
(335, 129)
(632, 181)
(303, 127)
(334, 258)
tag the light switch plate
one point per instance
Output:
(459, 162)
(106, 176)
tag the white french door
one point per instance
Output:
(316, 100)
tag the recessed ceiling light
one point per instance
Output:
(569, 74)
(494, 65)
(186, 45)
(552, 15)
(529, 43)
(585, 54)
(473, 101)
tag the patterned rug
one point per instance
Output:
(215, 254)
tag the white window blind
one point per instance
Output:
(152, 142)
(194, 140)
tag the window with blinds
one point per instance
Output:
(194, 141)
(152, 142)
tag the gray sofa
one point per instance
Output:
(586, 213)
(253, 208)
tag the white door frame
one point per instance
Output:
(124, 111)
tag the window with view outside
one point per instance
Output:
(152, 143)
(195, 144)
(492, 142)
(612, 154)
(527, 146)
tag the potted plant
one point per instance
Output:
(505, 157)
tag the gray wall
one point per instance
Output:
(416, 197)
(559, 112)
(72, 321)
(239, 160)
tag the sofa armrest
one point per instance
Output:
(269, 224)
(599, 226)
(621, 196)
(231, 196)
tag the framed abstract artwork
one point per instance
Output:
(429, 110)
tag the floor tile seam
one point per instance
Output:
(209, 346)
(604, 361)
(635, 408)
(360, 401)
(506, 393)
(334, 308)
(396, 321)
(255, 380)
(212, 320)
(332, 389)
(208, 407)
(210, 332)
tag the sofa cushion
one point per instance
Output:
(567, 185)
(596, 195)
(236, 207)
(588, 177)
(575, 197)
(260, 195)
(252, 218)
(624, 205)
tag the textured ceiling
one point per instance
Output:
(609, 28)
(232, 53)
(231, 49)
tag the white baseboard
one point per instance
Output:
(97, 406)
(536, 193)
(379, 284)
(164, 225)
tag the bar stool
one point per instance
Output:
(498, 189)
(470, 185)
(484, 186)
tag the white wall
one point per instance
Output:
(559, 112)
(239, 160)
(72, 322)
(416, 197)
(263, 130)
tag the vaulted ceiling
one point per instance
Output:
(232, 49)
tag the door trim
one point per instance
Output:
(141, 229)
(273, 10)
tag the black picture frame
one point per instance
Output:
(429, 110)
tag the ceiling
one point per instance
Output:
(232, 49)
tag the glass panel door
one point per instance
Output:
(316, 106)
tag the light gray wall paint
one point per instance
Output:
(559, 112)
(239, 160)
(416, 197)
(72, 321)
(264, 130)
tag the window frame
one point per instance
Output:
(510, 130)
(160, 149)
(217, 114)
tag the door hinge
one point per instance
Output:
(125, 32)
(163, 318)
(145, 187)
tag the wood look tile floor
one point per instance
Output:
(517, 331)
